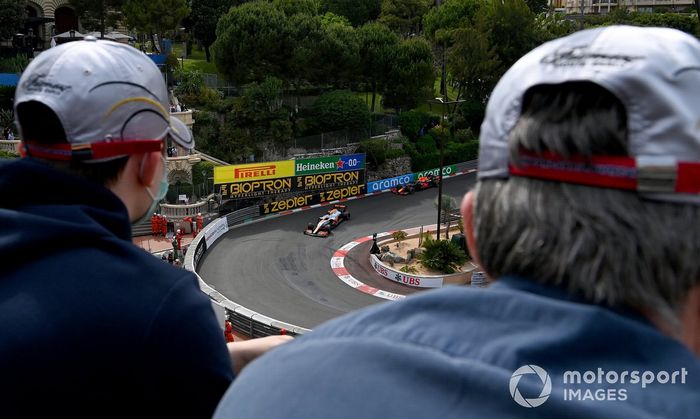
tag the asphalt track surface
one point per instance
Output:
(272, 268)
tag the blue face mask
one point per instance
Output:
(162, 191)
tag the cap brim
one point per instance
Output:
(179, 132)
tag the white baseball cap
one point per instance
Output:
(654, 72)
(110, 98)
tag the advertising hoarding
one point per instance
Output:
(317, 182)
(288, 168)
(253, 171)
(329, 164)
(393, 182)
(311, 199)
(446, 170)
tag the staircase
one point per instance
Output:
(141, 229)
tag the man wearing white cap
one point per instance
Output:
(91, 325)
(586, 215)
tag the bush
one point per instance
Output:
(442, 255)
(399, 236)
(470, 114)
(409, 269)
(341, 109)
(426, 144)
(411, 123)
(15, 64)
(203, 166)
(422, 162)
(7, 155)
(192, 91)
(393, 153)
(176, 189)
(376, 152)
(459, 152)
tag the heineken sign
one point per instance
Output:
(317, 167)
(329, 164)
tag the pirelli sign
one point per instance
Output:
(254, 171)
(308, 183)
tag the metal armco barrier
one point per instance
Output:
(243, 320)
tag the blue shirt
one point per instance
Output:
(91, 325)
(457, 352)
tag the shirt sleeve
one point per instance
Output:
(188, 362)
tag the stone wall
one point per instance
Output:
(391, 168)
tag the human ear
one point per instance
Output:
(690, 320)
(467, 211)
(148, 171)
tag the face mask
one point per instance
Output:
(162, 191)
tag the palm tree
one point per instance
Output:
(449, 206)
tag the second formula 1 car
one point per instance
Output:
(328, 221)
(423, 182)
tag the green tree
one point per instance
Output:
(439, 25)
(404, 16)
(553, 25)
(451, 14)
(288, 40)
(304, 62)
(411, 75)
(510, 26)
(155, 16)
(448, 206)
(358, 12)
(266, 97)
(339, 52)
(202, 174)
(12, 15)
(204, 17)
(252, 42)
(295, 7)
(472, 63)
(341, 109)
(376, 46)
(97, 15)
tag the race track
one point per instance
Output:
(272, 268)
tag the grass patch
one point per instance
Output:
(451, 91)
(367, 98)
(196, 60)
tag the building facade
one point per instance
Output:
(46, 18)
(606, 6)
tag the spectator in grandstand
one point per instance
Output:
(587, 214)
(91, 325)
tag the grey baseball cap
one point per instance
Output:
(110, 98)
(654, 72)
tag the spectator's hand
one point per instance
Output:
(243, 352)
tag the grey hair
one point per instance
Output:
(609, 246)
